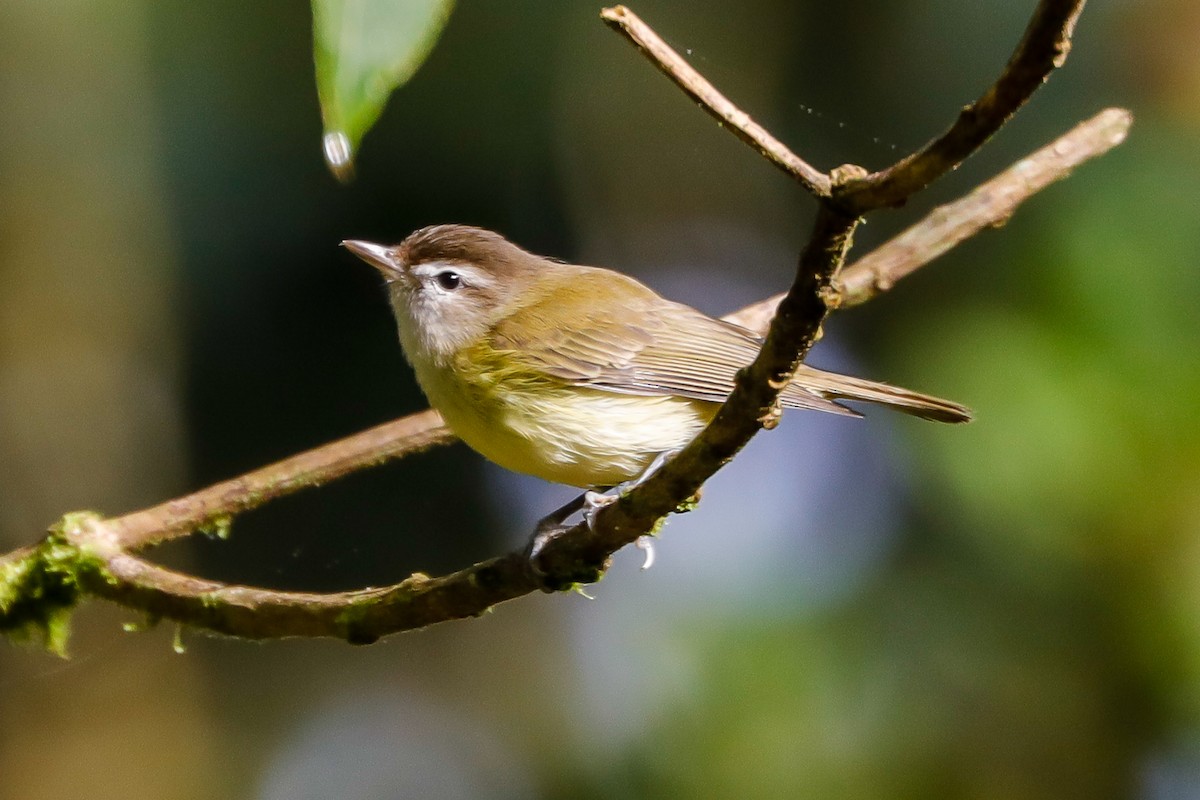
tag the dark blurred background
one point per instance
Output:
(884, 608)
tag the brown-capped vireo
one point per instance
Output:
(578, 375)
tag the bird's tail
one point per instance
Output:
(810, 381)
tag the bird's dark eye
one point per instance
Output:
(448, 280)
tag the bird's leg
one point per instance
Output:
(655, 466)
(594, 501)
(554, 518)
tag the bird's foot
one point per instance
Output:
(594, 501)
(551, 526)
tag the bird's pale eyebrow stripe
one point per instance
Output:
(470, 273)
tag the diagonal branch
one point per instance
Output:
(105, 570)
(739, 123)
(1042, 49)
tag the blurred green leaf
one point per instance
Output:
(364, 49)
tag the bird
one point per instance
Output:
(576, 374)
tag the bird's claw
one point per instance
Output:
(592, 503)
(646, 545)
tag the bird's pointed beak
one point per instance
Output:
(378, 256)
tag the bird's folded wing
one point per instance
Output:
(648, 352)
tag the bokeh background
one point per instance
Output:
(884, 608)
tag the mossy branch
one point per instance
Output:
(85, 554)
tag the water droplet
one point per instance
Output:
(339, 155)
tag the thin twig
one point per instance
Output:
(213, 506)
(988, 206)
(738, 122)
(1043, 49)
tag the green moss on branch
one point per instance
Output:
(41, 587)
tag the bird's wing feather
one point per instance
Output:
(685, 353)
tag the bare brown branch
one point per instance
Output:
(358, 617)
(738, 122)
